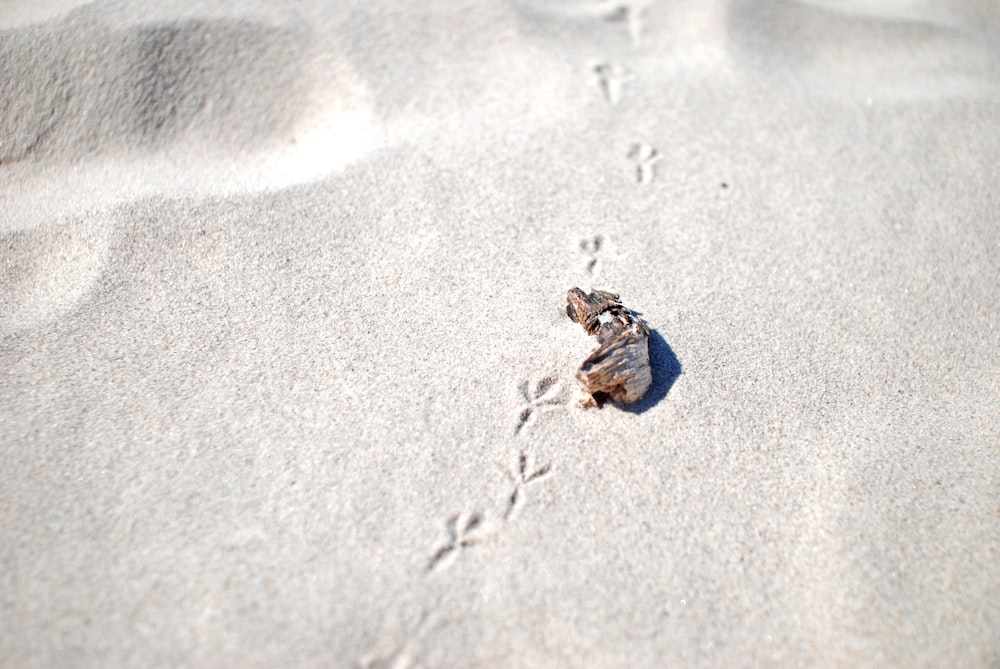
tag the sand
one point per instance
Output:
(286, 378)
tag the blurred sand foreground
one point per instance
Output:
(286, 378)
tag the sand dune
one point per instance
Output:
(286, 376)
(854, 52)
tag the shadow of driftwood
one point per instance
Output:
(666, 368)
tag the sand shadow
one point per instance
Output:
(77, 87)
(666, 368)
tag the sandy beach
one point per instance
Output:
(286, 374)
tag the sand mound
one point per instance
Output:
(97, 112)
(286, 373)
(79, 87)
(865, 51)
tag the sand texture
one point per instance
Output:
(286, 377)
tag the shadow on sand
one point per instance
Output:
(666, 368)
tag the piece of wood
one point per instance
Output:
(618, 370)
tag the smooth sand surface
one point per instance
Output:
(286, 378)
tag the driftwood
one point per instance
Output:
(618, 370)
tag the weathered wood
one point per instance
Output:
(618, 370)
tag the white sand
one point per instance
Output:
(279, 283)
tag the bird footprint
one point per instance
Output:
(464, 531)
(541, 395)
(521, 475)
(645, 157)
(612, 77)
